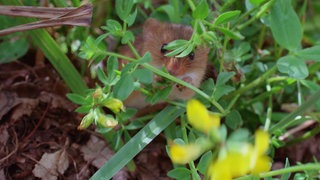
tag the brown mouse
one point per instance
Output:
(191, 68)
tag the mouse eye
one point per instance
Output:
(163, 50)
(191, 56)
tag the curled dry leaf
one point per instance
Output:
(51, 165)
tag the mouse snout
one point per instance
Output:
(174, 66)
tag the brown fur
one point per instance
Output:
(154, 35)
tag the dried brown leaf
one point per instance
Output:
(51, 165)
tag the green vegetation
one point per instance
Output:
(266, 52)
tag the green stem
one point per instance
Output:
(134, 51)
(171, 78)
(254, 83)
(179, 81)
(226, 5)
(290, 117)
(258, 15)
(305, 136)
(191, 4)
(225, 43)
(269, 110)
(304, 167)
(185, 139)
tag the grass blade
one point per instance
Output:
(138, 142)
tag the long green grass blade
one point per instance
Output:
(54, 54)
(290, 117)
(138, 142)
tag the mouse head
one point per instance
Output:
(157, 34)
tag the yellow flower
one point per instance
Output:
(234, 164)
(243, 160)
(106, 120)
(86, 121)
(182, 154)
(259, 161)
(200, 118)
(115, 105)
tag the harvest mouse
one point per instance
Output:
(191, 68)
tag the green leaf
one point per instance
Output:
(285, 25)
(76, 98)
(161, 94)
(171, 12)
(234, 119)
(176, 44)
(135, 125)
(83, 109)
(112, 66)
(201, 11)
(226, 17)
(113, 26)
(294, 67)
(143, 75)
(138, 142)
(224, 77)
(12, 50)
(231, 34)
(131, 18)
(128, 114)
(222, 90)
(240, 135)
(146, 58)
(186, 51)
(177, 50)
(208, 86)
(102, 76)
(256, 2)
(124, 87)
(123, 8)
(312, 53)
(127, 37)
(179, 173)
(286, 176)
(204, 162)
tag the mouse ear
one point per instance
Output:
(151, 27)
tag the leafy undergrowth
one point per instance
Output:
(39, 135)
(258, 107)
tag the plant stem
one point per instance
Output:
(191, 4)
(134, 51)
(290, 117)
(185, 139)
(253, 83)
(305, 136)
(257, 15)
(269, 110)
(305, 167)
(172, 78)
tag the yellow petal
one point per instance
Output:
(220, 170)
(199, 117)
(115, 105)
(261, 141)
(242, 162)
(182, 154)
(214, 120)
(106, 121)
(263, 164)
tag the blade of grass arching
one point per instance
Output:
(54, 54)
(291, 117)
(138, 142)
